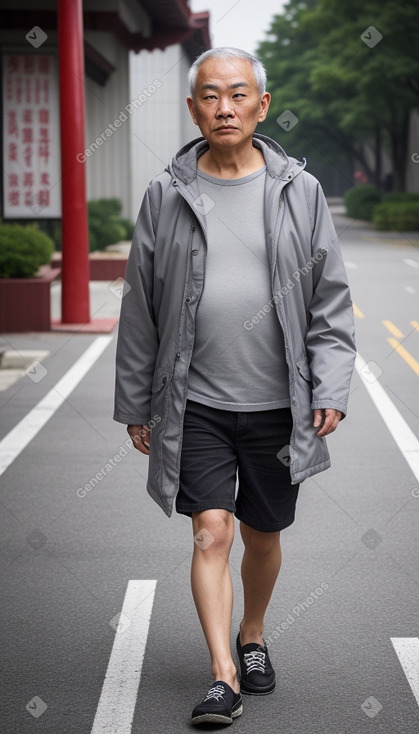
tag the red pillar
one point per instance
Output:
(75, 241)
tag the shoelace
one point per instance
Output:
(216, 692)
(254, 661)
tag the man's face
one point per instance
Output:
(227, 104)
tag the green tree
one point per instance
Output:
(346, 84)
(289, 54)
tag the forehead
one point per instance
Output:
(227, 71)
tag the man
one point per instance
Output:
(235, 353)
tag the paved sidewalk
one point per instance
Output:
(105, 299)
(16, 350)
(359, 229)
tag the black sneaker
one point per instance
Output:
(257, 674)
(221, 705)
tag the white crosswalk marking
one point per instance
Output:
(115, 710)
(407, 649)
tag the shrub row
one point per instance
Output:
(23, 249)
(398, 216)
(397, 210)
(361, 200)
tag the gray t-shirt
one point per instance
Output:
(237, 364)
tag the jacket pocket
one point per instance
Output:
(303, 368)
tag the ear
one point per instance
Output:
(264, 106)
(191, 107)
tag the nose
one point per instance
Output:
(224, 109)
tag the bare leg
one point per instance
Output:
(260, 567)
(212, 588)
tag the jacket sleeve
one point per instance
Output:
(330, 340)
(137, 337)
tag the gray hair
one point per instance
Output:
(227, 52)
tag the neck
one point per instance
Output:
(231, 162)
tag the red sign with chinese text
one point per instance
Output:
(31, 149)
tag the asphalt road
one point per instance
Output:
(67, 556)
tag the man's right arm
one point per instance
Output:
(137, 337)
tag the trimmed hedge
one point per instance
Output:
(397, 215)
(402, 197)
(106, 226)
(23, 249)
(361, 200)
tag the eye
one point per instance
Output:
(239, 94)
(210, 96)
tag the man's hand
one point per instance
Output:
(326, 419)
(140, 437)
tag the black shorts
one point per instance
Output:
(219, 445)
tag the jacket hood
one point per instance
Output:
(184, 164)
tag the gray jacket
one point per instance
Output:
(164, 281)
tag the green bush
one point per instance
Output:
(104, 208)
(402, 197)
(23, 250)
(50, 227)
(393, 215)
(129, 228)
(106, 226)
(361, 200)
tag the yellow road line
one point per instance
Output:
(393, 329)
(357, 311)
(415, 325)
(411, 361)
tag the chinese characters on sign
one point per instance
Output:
(31, 151)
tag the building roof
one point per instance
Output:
(171, 22)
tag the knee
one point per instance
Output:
(213, 530)
(258, 542)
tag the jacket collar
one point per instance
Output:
(278, 164)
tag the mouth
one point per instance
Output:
(225, 127)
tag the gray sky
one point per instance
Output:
(239, 23)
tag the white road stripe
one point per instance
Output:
(412, 263)
(407, 649)
(23, 433)
(396, 424)
(115, 710)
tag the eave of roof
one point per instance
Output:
(172, 22)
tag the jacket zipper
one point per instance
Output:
(183, 304)
(275, 237)
(188, 257)
(275, 241)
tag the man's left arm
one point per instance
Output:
(330, 340)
